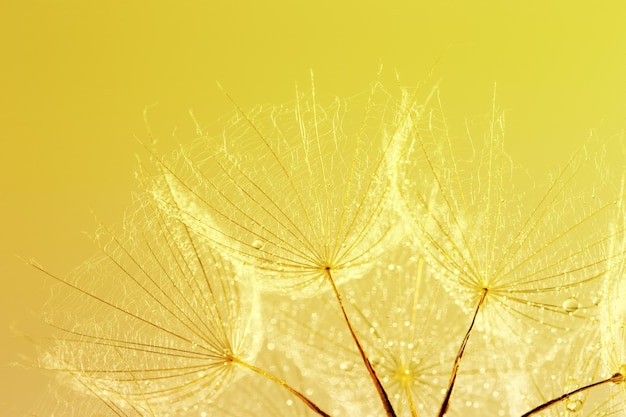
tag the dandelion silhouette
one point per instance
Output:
(333, 260)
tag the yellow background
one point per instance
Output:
(75, 77)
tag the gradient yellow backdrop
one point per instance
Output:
(75, 77)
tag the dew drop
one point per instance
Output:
(344, 366)
(258, 244)
(571, 305)
(574, 405)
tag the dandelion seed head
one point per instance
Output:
(214, 299)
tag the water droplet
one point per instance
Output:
(258, 244)
(571, 305)
(574, 405)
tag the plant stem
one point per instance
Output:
(411, 403)
(459, 356)
(616, 379)
(283, 384)
(379, 386)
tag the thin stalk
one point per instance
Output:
(407, 390)
(615, 379)
(459, 356)
(283, 384)
(379, 386)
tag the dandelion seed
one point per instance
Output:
(305, 183)
(571, 364)
(171, 326)
(612, 322)
(167, 319)
(575, 399)
(523, 254)
(494, 250)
